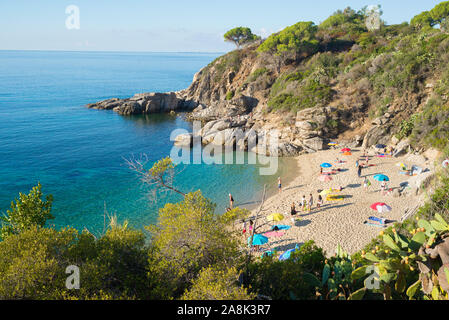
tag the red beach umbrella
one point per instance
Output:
(345, 150)
(381, 207)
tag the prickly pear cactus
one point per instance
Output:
(335, 282)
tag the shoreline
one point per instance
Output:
(337, 222)
(272, 190)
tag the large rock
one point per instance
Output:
(143, 103)
(376, 135)
(401, 148)
(315, 144)
(313, 122)
(287, 149)
(237, 106)
(184, 140)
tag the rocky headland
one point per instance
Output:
(251, 92)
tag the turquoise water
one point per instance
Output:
(47, 135)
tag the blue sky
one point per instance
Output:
(173, 25)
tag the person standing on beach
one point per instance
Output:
(279, 185)
(303, 203)
(359, 171)
(293, 212)
(310, 202)
(366, 184)
(231, 201)
(383, 187)
(320, 201)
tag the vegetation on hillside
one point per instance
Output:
(383, 66)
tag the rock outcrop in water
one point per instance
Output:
(142, 103)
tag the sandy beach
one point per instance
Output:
(338, 222)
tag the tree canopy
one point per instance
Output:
(437, 15)
(240, 36)
(27, 211)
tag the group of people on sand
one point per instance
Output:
(305, 205)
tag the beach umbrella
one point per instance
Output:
(326, 192)
(381, 177)
(347, 153)
(332, 144)
(381, 207)
(258, 240)
(380, 146)
(400, 164)
(286, 255)
(345, 150)
(325, 178)
(326, 165)
(445, 163)
(275, 217)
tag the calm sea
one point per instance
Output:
(77, 154)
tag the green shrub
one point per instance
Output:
(432, 127)
(229, 95)
(299, 37)
(284, 280)
(256, 74)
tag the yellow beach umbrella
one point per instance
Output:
(325, 192)
(275, 217)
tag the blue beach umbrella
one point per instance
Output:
(258, 240)
(286, 254)
(380, 146)
(381, 177)
(326, 165)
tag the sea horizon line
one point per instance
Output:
(110, 51)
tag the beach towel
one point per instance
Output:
(280, 227)
(374, 224)
(379, 220)
(274, 234)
